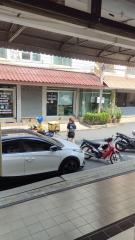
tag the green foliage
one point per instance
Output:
(114, 112)
(96, 118)
(107, 115)
(118, 112)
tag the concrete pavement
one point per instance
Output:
(72, 213)
(63, 125)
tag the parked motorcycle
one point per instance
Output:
(124, 142)
(101, 151)
(39, 127)
(43, 132)
(46, 133)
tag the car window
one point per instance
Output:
(12, 146)
(30, 145)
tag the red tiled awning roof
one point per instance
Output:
(41, 76)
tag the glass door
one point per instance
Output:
(52, 100)
(7, 103)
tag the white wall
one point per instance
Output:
(82, 66)
(83, 5)
(15, 57)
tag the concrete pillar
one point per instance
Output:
(113, 98)
(18, 107)
(101, 75)
(100, 101)
(77, 103)
(44, 100)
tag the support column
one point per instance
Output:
(44, 101)
(19, 105)
(77, 103)
(96, 10)
(113, 98)
(100, 102)
(101, 75)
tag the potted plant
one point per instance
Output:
(118, 114)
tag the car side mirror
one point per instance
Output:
(53, 148)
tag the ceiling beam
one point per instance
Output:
(64, 42)
(68, 45)
(120, 51)
(68, 14)
(96, 10)
(67, 29)
(104, 49)
(130, 58)
(16, 34)
(11, 27)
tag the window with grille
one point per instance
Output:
(3, 52)
(25, 55)
(62, 61)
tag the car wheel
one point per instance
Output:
(69, 165)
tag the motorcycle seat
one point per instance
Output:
(94, 144)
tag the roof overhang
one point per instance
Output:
(120, 82)
(15, 74)
(59, 30)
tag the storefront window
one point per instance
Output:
(106, 99)
(6, 103)
(65, 103)
(59, 103)
(52, 100)
(125, 99)
(89, 102)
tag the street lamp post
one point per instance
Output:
(100, 68)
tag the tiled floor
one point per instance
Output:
(118, 228)
(126, 235)
(70, 214)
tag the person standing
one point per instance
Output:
(71, 127)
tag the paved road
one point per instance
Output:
(99, 135)
(94, 134)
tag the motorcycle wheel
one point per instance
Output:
(115, 158)
(120, 146)
(87, 152)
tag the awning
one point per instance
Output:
(41, 76)
(120, 82)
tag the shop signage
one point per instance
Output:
(51, 97)
(102, 101)
(6, 103)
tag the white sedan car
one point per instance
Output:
(26, 154)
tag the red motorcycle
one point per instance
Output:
(105, 151)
